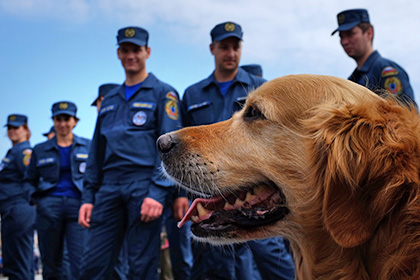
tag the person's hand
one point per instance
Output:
(150, 210)
(84, 214)
(180, 207)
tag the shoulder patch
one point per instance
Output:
(172, 96)
(171, 108)
(393, 85)
(389, 71)
(27, 156)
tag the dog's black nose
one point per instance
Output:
(165, 143)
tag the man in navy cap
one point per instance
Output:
(103, 90)
(373, 71)
(124, 190)
(212, 100)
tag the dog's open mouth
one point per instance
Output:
(248, 209)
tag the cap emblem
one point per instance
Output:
(341, 18)
(63, 105)
(12, 118)
(229, 27)
(129, 33)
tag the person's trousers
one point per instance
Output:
(115, 216)
(17, 236)
(56, 223)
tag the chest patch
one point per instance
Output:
(139, 118)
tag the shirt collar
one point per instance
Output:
(369, 62)
(240, 77)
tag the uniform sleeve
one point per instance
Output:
(31, 176)
(92, 177)
(169, 119)
(396, 81)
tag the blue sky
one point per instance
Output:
(53, 50)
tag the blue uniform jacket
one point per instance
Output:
(203, 103)
(12, 171)
(381, 73)
(124, 143)
(44, 170)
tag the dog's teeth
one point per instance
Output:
(228, 206)
(239, 203)
(195, 219)
(249, 197)
(202, 212)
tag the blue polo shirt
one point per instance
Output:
(204, 102)
(381, 73)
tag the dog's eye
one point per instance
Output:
(253, 113)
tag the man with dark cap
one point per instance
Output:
(103, 90)
(212, 100)
(373, 71)
(124, 190)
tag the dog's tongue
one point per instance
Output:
(201, 209)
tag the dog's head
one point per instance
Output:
(305, 151)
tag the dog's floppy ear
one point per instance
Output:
(362, 155)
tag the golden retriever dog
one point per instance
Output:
(320, 160)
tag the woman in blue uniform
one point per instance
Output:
(55, 176)
(17, 216)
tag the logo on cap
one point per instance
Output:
(129, 33)
(229, 27)
(63, 105)
(341, 18)
(12, 118)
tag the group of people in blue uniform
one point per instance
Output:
(99, 205)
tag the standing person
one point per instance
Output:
(124, 189)
(211, 100)
(103, 90)
(373, 71)
(55, 176)
(121, 267)
(17, 216)
(50, 134)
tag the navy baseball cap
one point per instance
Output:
(254, 69)
(64, 108)
(16, 120)
(52, 130)
(225, 30)
(133, 34)
(348, 19)
(103, 90)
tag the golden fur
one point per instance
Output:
(346, 160)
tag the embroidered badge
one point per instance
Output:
(129, 32)
(389, 71)
(45, 161)
(146, 105)
(27, 156)
(12, 118)
(195, 106)
(393, 85)
(107, 109)
(341, 18)
(82, 156)
(171, 109)
(82, 167)
(140, 118)
(171, 95)
(63, 105)
(229, 27)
